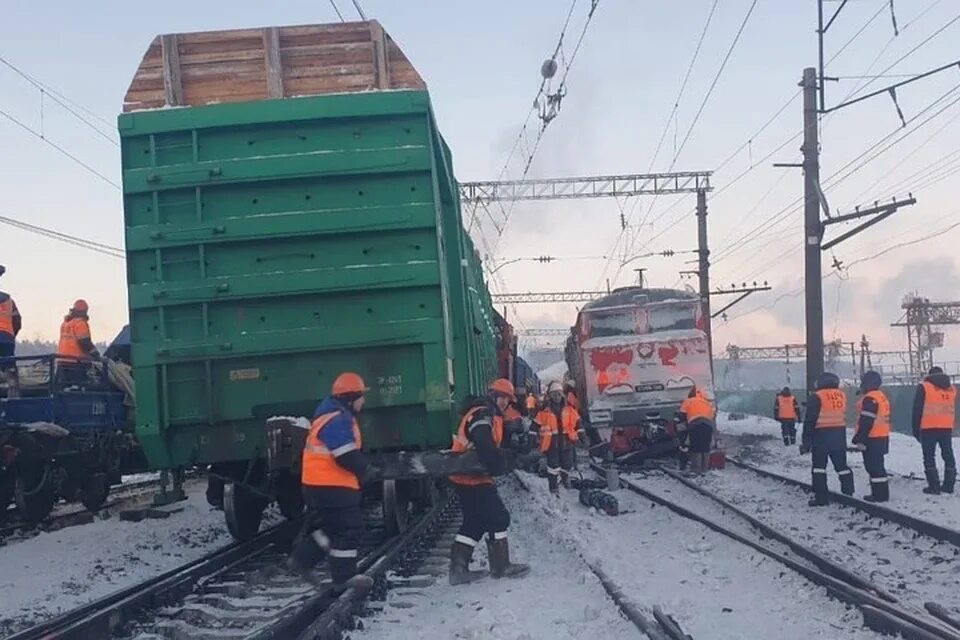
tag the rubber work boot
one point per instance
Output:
(879, 491)
(820, 496)
(307, 573)
(949, 479)
(553, 482)
(933, 482)
(500, 565)
(344, 573)
(846, 482)
(460, 573)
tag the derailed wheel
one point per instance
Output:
(34, 493)
(94, 491)
(243, 510)
(396, 506)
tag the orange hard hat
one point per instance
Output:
(503, 387)
(347, 383)
(80, 305)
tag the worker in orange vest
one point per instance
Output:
(333, 470)
(785, 411)
(696, 421)
(934, 416)
(75, 350)
(560, 432)
(531, 403)
(824, 433)
(482, 429)
(572, 399)
(10, 324)
(872, 435)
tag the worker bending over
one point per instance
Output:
(934, 416)
(785, 411)
(696, 422)
(872, 435)
(482, 429)
(560, 432)
(334, 467)
(824, 433)
(10, 325)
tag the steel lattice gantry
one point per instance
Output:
(834, 350)
(586, 187)
(920, 316)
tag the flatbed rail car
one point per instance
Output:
(62, 438)
(634, 355)
(291, 213)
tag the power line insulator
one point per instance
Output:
(549, 68)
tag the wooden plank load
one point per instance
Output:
(245, 65)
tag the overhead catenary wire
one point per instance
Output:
(337, 10)
(356, 5)
(76, 241)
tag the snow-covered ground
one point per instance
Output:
(757, 440)
(54, 572)
(714, 587)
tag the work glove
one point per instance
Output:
(859, 446)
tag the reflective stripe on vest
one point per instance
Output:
(462, 444)
(549, 426)
(939, 406)
(320, 468)
(881, 421)
(833, 409)
(785, 408)
(6, 316)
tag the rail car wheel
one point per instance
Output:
(396, 506)
(34, 493)
(243, 510)
(94, 491)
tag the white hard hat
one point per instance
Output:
(554, 386)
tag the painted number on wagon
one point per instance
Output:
(390, 385)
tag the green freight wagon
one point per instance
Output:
(291, 213)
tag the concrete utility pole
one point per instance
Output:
(813, 230)
(703, 271)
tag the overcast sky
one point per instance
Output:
(481, 62)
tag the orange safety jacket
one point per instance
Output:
(881, 421)
(6, 317)
(462, 444)
(320, 468)
(833, 409)
(549, 426)
(531, 402)
(939, 407)
(785, 408)
(72, 331)
(697, 408)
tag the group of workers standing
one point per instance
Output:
(824, 432)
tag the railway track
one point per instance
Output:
(244, 592)
(881, 610)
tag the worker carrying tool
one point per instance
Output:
(560, 432)
(10, 325)
(695, 423)
(334, 468)
(482, 429)
(824, 434)
(872, 436)
(75, 350)
(786, 410)
(934, 416)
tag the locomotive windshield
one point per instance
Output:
(640, 320)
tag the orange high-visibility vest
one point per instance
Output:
(881, 421)
(785, 408)
(939, 407)
(320, 468)
(531, 402)
(697, 408)
(462, 444)
(6, 316)
(549, 426)
(833, 409)
(71, 332)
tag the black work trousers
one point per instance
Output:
(831, 444)
(930, 439)
(332, 527)
(483, 512)
(873, 459)
(560, 461)
(788, 430)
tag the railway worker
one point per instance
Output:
(560, 432)
(482, 429)
(872, 434)
(333, 469)
(696, 420)
(785, 411)
(572, 399)
(934, 416)
(10, 324)
(75, 349)
(824, 433)
(531, 404)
